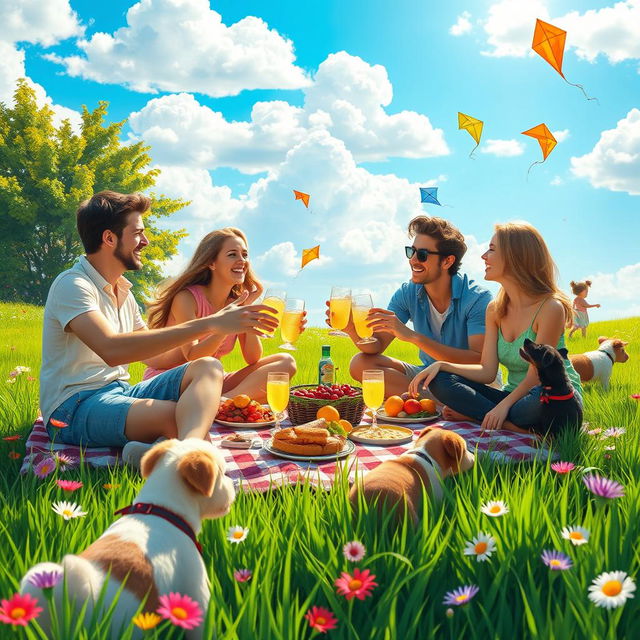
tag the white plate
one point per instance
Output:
(383, 416)
(348, 449)
(355, 436)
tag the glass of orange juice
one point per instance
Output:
(373, 391)
(278, 394)
(360, 306)
(290, 324)
(274, 298)
(339, 310)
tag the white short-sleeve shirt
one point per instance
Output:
(68, 364)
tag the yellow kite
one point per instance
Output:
(309, 254)
(544, 137)
(473, 126)
(548, 43)
(302, 196)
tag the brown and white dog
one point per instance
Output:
(152, 548)
(598, 365)
(436, 453)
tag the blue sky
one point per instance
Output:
(356, 103)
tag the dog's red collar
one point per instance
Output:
(146, 508)
(545, 397)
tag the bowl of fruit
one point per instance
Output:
(407, 408)
(306, 399)
(243, 412)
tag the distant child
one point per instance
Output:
(580, 305)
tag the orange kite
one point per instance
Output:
(302, 196)
(548, 43)
(310, 254)
(544, 137)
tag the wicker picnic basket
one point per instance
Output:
(303, 410)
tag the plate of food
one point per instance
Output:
(241, 412)
(382, 434)
(414, 418)
(406, 410)
(317, 441)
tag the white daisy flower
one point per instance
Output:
(482, 546)
(576, 535)
(68, 510)
(494, 508)
(611, 589)
(614, 432)
(237, 534)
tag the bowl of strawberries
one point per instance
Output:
(306, 399)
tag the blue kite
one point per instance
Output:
(430, 195)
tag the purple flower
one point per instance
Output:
(46, 579)
(556, 560)
(461, 595)
(242, 575)
(603, 487)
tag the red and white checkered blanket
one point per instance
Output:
(258, 470)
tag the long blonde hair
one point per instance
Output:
(527, 260)
(198, 272)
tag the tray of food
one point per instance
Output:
(241, 412)
(382, 435)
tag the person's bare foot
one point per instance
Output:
(453, 416)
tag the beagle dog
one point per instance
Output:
(436, 454)
(598, 365)
(152, 549)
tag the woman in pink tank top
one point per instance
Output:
(218, 274)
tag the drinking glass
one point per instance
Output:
(360, 306)
(339, 310)
(278, 394)
(373, 391)
(290, 325)
(274, 298)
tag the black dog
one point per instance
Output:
(560, 407)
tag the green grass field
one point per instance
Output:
(295, 540)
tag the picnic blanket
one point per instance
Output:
(255, 469)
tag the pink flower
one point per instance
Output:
(358, 586)
(69, 485)
(180, 610)
(45, 467)
(635, 396)
(354, 551)
(563, 467)
(19, 609)
(64, 461)
(242, 575)
(321, 619)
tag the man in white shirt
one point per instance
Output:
(93, 329)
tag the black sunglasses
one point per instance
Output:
(422, 254)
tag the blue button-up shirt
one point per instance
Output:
(466, 316)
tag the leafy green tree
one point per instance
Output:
(45, 172)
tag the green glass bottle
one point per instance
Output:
(326, 370)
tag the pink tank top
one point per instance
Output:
(203, 308)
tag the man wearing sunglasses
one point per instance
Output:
(447, 309)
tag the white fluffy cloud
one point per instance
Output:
(613, 32)
(37, 22)
(617, 293)
(182, 45)
(503, 148)
(43, 22)
(346, 99)
(614, 162)
(561, 135)
(509, 26)
(462, 25)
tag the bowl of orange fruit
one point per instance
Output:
(408, 409)
(241, 412)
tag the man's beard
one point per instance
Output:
(128, 261)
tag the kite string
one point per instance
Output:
(582, 89)
(472, 150)
(532, 164)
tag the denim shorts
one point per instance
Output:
(97, 417)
